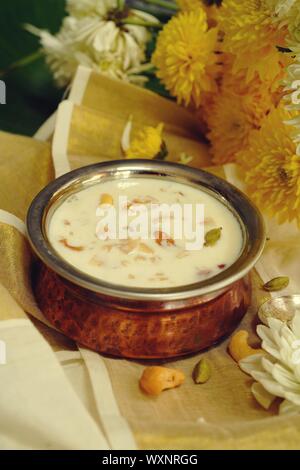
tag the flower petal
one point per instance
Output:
(285, 378)
(251, 363)
(293, 397)
(264, 398)
(271, 386)
(287, 407)
(125, 140)
(295, 324)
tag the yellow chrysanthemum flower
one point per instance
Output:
(184, 56)
(234, 112)
(252, 37)
(193, 5)
(189, 5)
(148, 143)
(272, 168)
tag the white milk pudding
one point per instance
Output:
(154, 256)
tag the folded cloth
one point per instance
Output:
(84, 133)
(39, 408)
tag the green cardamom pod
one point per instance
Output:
(202, 371)
(277, 283)
(212, 236)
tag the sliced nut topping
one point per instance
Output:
(140, 258)
(204, 272)
(154, 259)
(128, 246)
(141, 200)
(145, 248)
(182, 254)
(125, 263)
(108, 248)
(162, 239)
(65, 242)
(94, 261)
(106, 199)
(209, 220)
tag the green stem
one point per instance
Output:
(22, 62)
(138, 22)
(121, 4)
(164, 3)
(150, 69)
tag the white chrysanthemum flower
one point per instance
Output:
(286, 13)
(94, 36)
(281, 8)
(292, 89)
(277, 373)
(80, 8)
(292, 97)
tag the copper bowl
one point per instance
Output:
(142, 322)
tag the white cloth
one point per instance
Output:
(38, 407)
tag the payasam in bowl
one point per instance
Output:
(144, 259)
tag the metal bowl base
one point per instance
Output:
(145, 332)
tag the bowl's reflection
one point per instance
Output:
(282, 307)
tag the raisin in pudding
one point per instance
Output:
(158, 259)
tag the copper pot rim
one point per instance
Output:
(248, 215)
